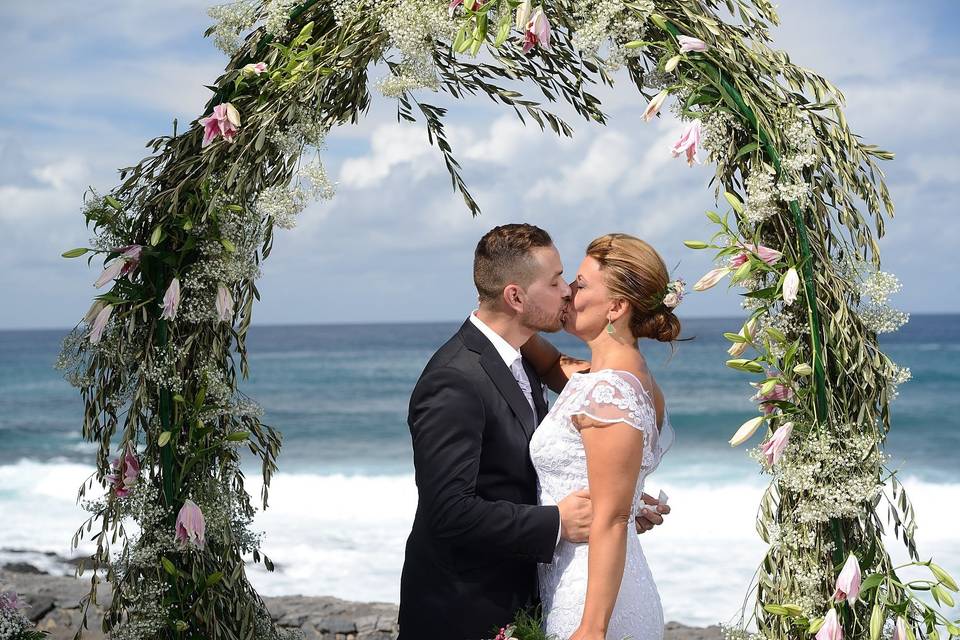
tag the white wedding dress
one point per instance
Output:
(557, 452)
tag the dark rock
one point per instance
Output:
(39, 606)
(24, 567)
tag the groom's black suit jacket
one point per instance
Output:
(471, 558)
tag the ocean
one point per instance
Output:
(342, 504)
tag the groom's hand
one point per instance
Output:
(651, 517)
(576, 514)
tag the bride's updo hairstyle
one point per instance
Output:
(634, 271)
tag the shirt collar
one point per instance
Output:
(504, 348)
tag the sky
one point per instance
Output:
(87, 84)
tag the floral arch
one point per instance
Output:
(158, 355)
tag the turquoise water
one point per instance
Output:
(339, 394)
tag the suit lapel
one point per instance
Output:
(500, 374)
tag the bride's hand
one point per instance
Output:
(583, 634)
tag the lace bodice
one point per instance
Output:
(558, 455)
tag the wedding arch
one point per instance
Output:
(158, 355)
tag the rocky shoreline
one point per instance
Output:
(54, 607)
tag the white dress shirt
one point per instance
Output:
(514, 361)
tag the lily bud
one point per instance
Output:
(746, 430)
(791, 285)
(190, 525)
(654, 106)
(710, 279)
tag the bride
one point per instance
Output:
(607, 430)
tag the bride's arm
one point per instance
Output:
(614, 456)
(553, 367)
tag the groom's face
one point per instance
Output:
(547, 294)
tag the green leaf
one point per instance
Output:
(178, 398)
(871, 582)
(214, 578)
(734, 201)
(74, 253)
(168, 566)
(876, 617)
(734, 337)
(695, 244)
(228, 245)
(776, 334)
(238, 436)
(747, 148)
(163, 439)
(113, 202)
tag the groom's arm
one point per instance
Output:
(446, 423)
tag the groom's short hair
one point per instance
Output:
(504, 256)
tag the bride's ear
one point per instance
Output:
(618, 308)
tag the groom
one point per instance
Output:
(478, 534)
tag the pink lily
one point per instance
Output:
(900, 629)
(831, 629)
(254, 68)
(537, 31)
(171, 300)
(453, 6)
(688, 143)
(688, 43)
(10, 601)
(848, 582)
(99, 323)
(190, 525)
(654, 105)
(223, 122)
(224, 303)
(110, 272)
(710, 279)
(766, 400)
(92, 312)
(777, 444)
(768, 255)
(124, 264)
(126, 472)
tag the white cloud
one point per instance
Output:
(604, 162)
(390, 147)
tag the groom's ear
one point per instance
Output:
(513, 297)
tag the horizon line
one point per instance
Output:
(363, 323)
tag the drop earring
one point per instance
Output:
(610, 328)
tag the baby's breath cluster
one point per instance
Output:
(763, 199)
(231, 20)
(599, 22)
(832, 472)
(413, 27)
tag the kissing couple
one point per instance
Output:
(522, 506)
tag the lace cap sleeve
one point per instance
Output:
(616, 397)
